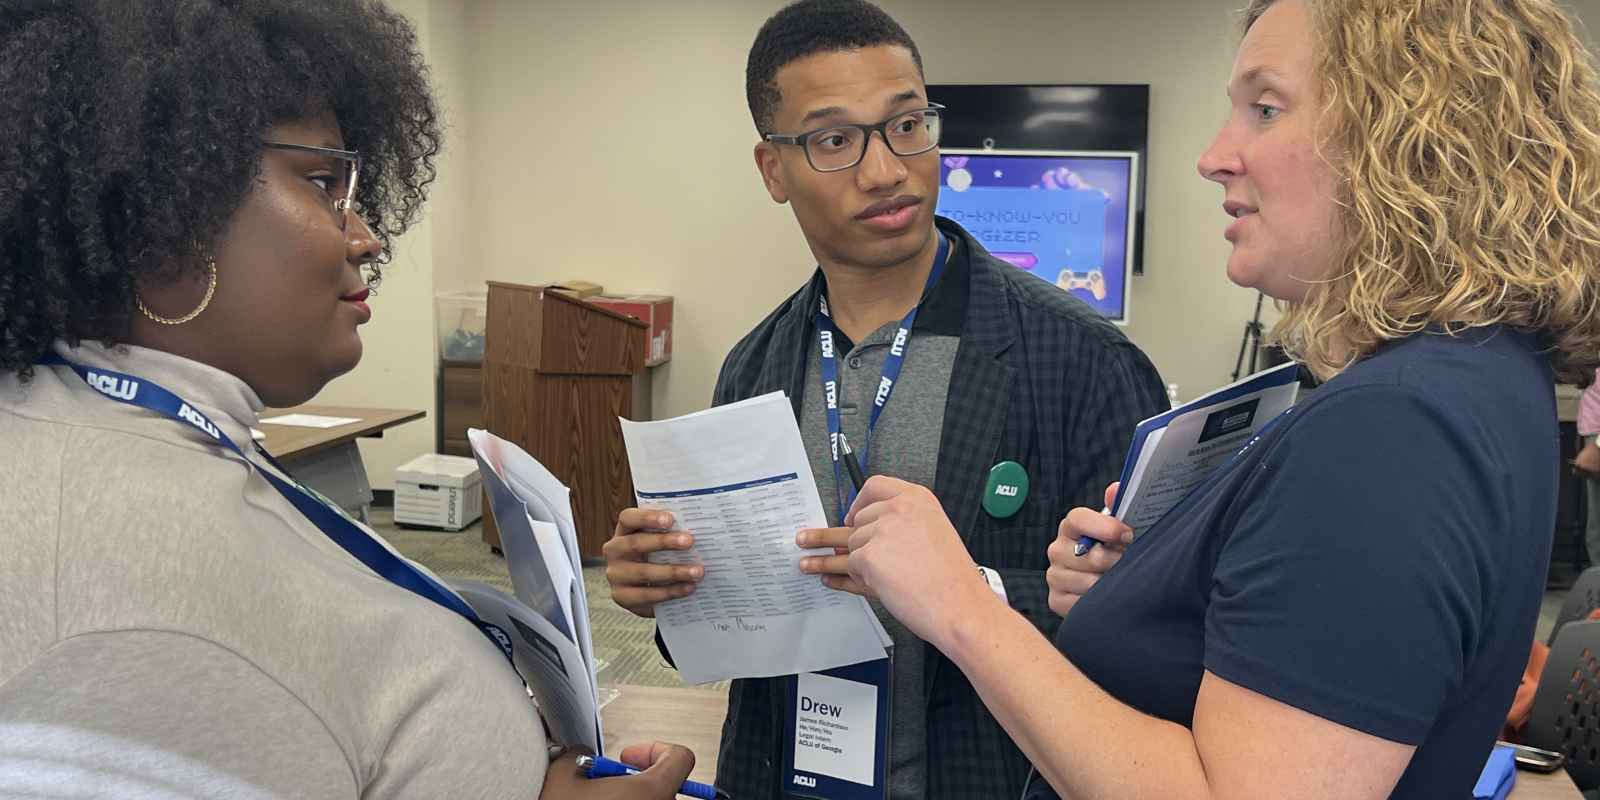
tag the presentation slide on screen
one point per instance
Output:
(1063, 219)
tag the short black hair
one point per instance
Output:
(130, 132)
(806, 28)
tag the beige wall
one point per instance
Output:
(610, 141)
(397, 363)
(1185, 313)
(450, 47)
(615, 145)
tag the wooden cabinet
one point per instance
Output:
(460, 405)
(557, 373)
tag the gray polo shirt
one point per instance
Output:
(905, 445)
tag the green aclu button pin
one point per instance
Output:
(1006, 490)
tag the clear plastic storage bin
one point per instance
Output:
(462, 317)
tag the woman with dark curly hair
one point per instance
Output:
(195, 196)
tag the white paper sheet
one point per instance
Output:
(309, 421)
(737, 477)
(554, 556)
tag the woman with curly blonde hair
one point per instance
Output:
(1343, 610)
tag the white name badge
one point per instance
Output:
(836, 744)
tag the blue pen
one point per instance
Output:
(1087, 543)
(601, 767)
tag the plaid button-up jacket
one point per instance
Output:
(1039, 379)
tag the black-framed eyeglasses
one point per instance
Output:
(840, 147)
(341, 193)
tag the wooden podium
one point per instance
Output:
(557, 372)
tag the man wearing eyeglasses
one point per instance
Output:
(949, 368)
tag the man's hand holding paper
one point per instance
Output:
(834, 569)
(637, 584)
(899, 524)
(738, 478)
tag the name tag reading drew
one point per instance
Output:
(837, 728)
(838, 733)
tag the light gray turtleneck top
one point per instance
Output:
(171, 626)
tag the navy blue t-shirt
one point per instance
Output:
(1376, 558)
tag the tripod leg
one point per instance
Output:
(1252, 334)
(1238, 363)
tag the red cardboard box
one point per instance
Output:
(654, 310)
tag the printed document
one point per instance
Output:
(736, 477)
(1173, 453)
(548, 620)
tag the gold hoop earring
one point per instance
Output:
(211, 289)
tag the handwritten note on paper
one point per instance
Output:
(737, 477)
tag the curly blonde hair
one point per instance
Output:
(1464, 135)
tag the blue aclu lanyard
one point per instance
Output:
(892, 365)
(136, 391)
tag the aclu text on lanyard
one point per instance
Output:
(892, 364)
(136, 391)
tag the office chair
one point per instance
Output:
(1582, 599)
(1566, 708)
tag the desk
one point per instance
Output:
(693, 718)
(1554, 786)
(327, 459)
(690, 717)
